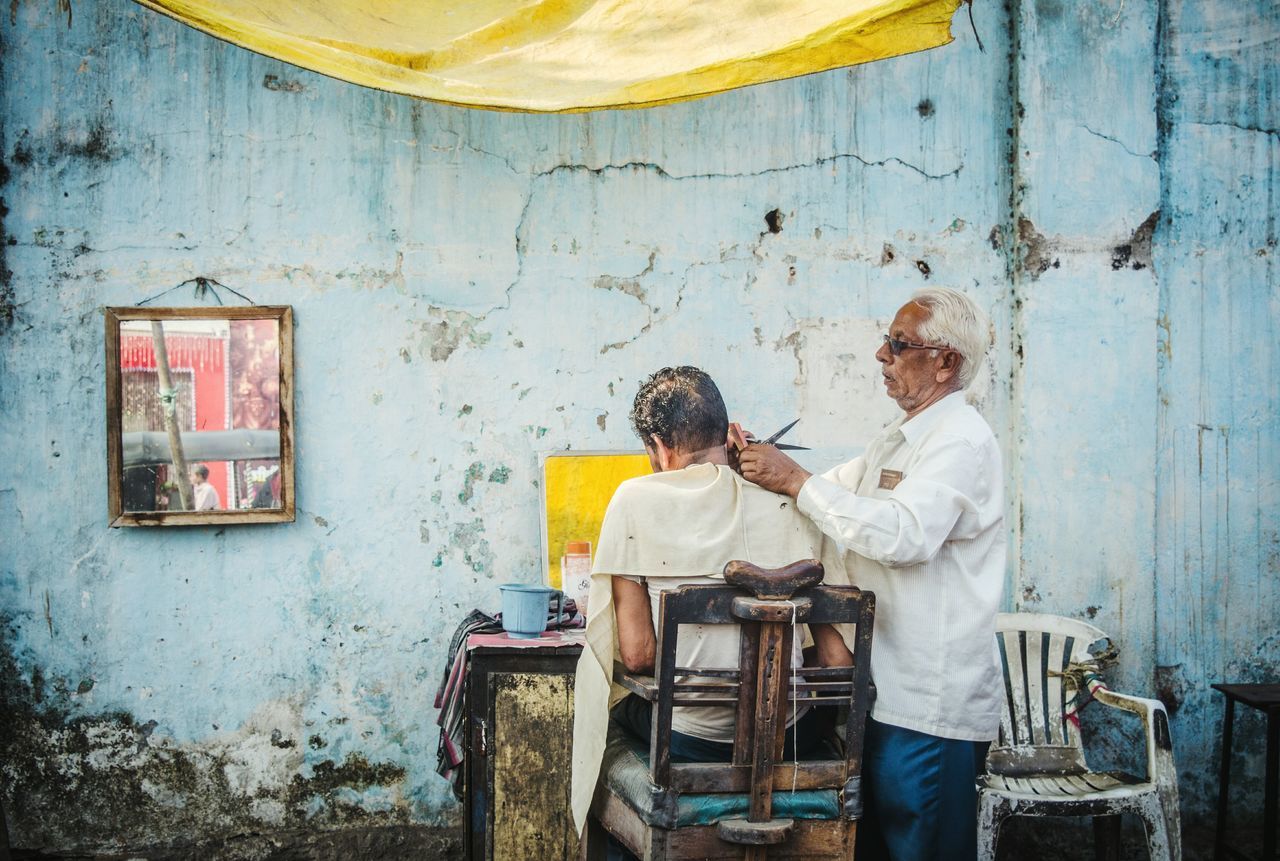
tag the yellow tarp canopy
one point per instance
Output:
(569, 55)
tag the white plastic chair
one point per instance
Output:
(1037, 768)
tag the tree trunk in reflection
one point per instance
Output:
(169, 403)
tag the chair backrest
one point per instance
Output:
(1037, 732)
(762, 691)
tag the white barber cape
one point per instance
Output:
(679, 524)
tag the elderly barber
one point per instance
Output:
(920, 516)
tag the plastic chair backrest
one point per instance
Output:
(1036, 734)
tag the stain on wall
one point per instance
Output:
(105, 773)
(472, 288)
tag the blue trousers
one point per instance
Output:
(920, 798)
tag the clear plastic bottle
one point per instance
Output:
(575, 573)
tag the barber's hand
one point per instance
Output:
(771, 469)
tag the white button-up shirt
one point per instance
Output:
(921, 517)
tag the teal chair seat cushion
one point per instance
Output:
(625, 773)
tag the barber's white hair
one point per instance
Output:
(955, 321)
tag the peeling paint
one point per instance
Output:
(1037, 253)
(1136, 253)
(467, 539)
(448, 332)
(629, 286)
(474, 473)
(280, 85)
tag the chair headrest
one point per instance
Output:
(773, 583)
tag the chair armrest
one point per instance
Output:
(1155, 724)
(645, 687)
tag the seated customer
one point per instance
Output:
(677, 527)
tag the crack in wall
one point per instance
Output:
(521, 244)
(461, 145)
(651, 322)
(521, 236)
(521, 240)
(1118, 142)
(659, 170)
(1237, 126)
(630, 286)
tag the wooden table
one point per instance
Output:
(519, 741)
(1265, 698)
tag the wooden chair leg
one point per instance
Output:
(1106, 837)
(595, 841)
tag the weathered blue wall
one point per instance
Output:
(473, 288)
(1146, 414)
(1218, 373)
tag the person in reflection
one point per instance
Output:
(677, 527)
(205, 495)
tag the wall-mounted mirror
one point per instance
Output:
(199, 415)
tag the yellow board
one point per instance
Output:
(576, 489)
(569, 55)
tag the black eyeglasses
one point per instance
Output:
(896, 347)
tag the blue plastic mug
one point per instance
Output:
(525, 609)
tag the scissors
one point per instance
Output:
(773, 440)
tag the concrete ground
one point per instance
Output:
(1023, 839)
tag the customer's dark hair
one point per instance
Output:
(682, 407)
(201, 470)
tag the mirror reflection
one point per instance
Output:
(200, 414)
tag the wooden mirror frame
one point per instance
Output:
(283, 315)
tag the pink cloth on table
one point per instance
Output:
(565, 637)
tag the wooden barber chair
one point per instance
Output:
(755, 806)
